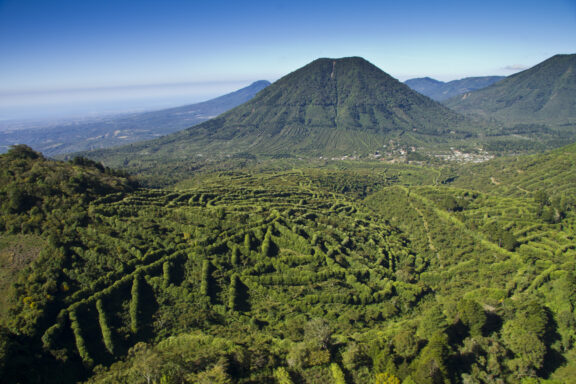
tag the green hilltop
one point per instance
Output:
(542, 98)
(348, 107)
(329, 107)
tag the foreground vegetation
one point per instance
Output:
(347, 273)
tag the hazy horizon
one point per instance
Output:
(94, 102)
(78, 49)
(101, 101)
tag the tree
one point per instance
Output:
(282, 376)
(233, 293)
(146, 363)
(386, 378)
(80, 343)
(450, 204)
(431, 323)
(235, 256)
(524, 335)
(307, 354)
(504, 238)
(19, 200)
(268, 247)
(135, 305)
(206, 275)
(550, 215)
(430, 366)
(83, 161)
(566, 289)
(106, 332)
(384, 361)
(507, 240)
(337, 374)
(166, 273)
(541, 198)
(472, 315)
(527, 347)
(247, 242)
(23, 152)
(215, 375)
(318, 332)
(355, 355)
(405, 344)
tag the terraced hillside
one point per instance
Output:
(157, 263)
(349, 273)
(551, 172)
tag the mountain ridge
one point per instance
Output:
(328, 107)
(441, 91)
(544, 93)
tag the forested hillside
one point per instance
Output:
(538, 102)
(347, 273)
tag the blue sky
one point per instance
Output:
(59, 45)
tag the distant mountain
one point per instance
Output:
(118, 130)
(440, 91)
(425, 85)
(329, 107)
(544, 94)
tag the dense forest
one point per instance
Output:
(286, 272)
